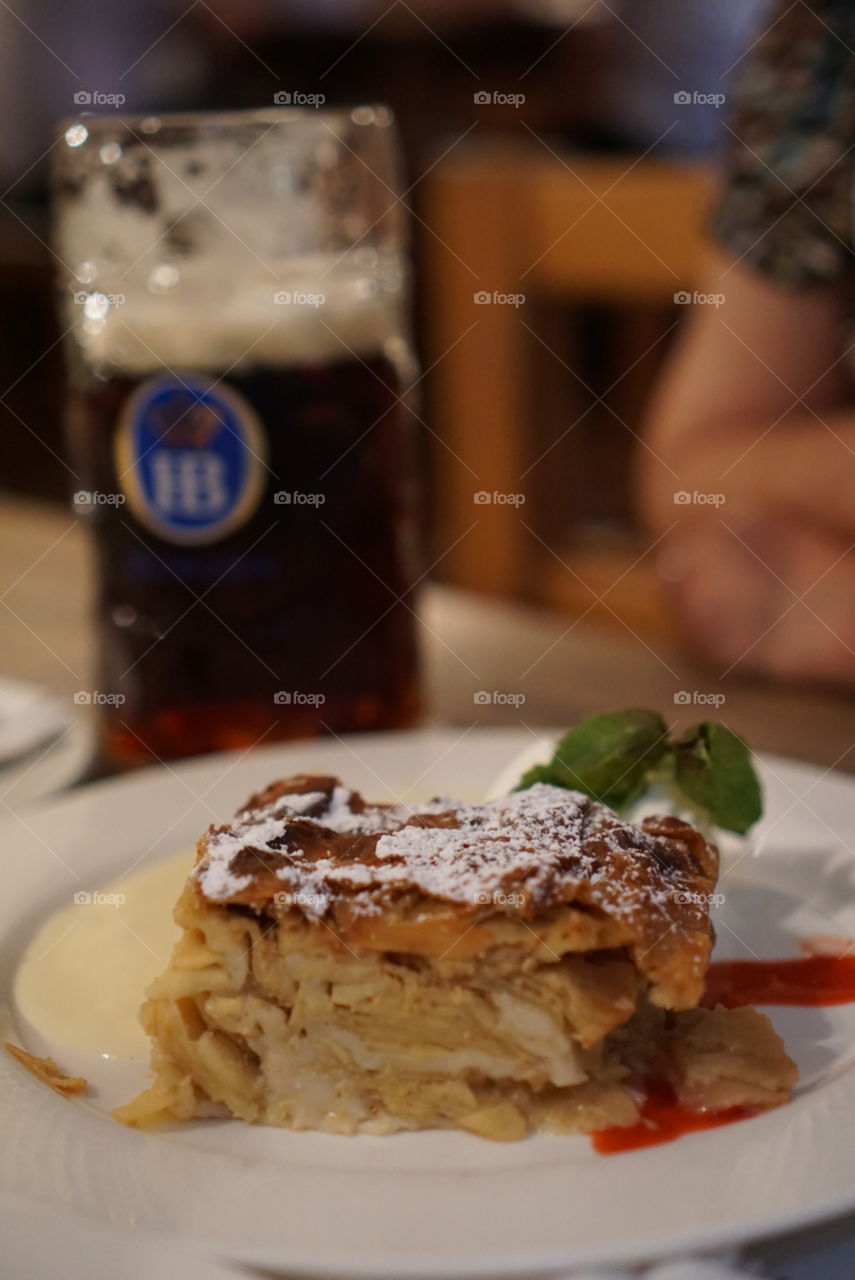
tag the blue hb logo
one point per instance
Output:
(190, 458)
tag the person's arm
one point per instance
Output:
(754, 423)
(754, 426)
(756, 404)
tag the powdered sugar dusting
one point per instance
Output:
(527, 850)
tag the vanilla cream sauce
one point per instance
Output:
(83, 977)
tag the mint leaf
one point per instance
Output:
(607, 757)
(614, 758)
(713, 769)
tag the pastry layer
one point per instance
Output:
(544, 870)
(281, 1023)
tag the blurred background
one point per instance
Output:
(516, 120)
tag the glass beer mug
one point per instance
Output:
(239, 424)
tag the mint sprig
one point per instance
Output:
(616, 756)
(713, 770)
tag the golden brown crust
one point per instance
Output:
(721, 1058)
(449, 878)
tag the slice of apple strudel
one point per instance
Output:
(527, 963)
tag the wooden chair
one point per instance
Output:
(564, 230)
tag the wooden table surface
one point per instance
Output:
(564, 668)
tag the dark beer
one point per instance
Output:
(234, 296)
(297, 621)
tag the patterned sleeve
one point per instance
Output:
(787, 206)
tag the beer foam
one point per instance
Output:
(316, 317)
(265, 245)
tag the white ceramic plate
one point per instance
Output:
(435, 1204)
